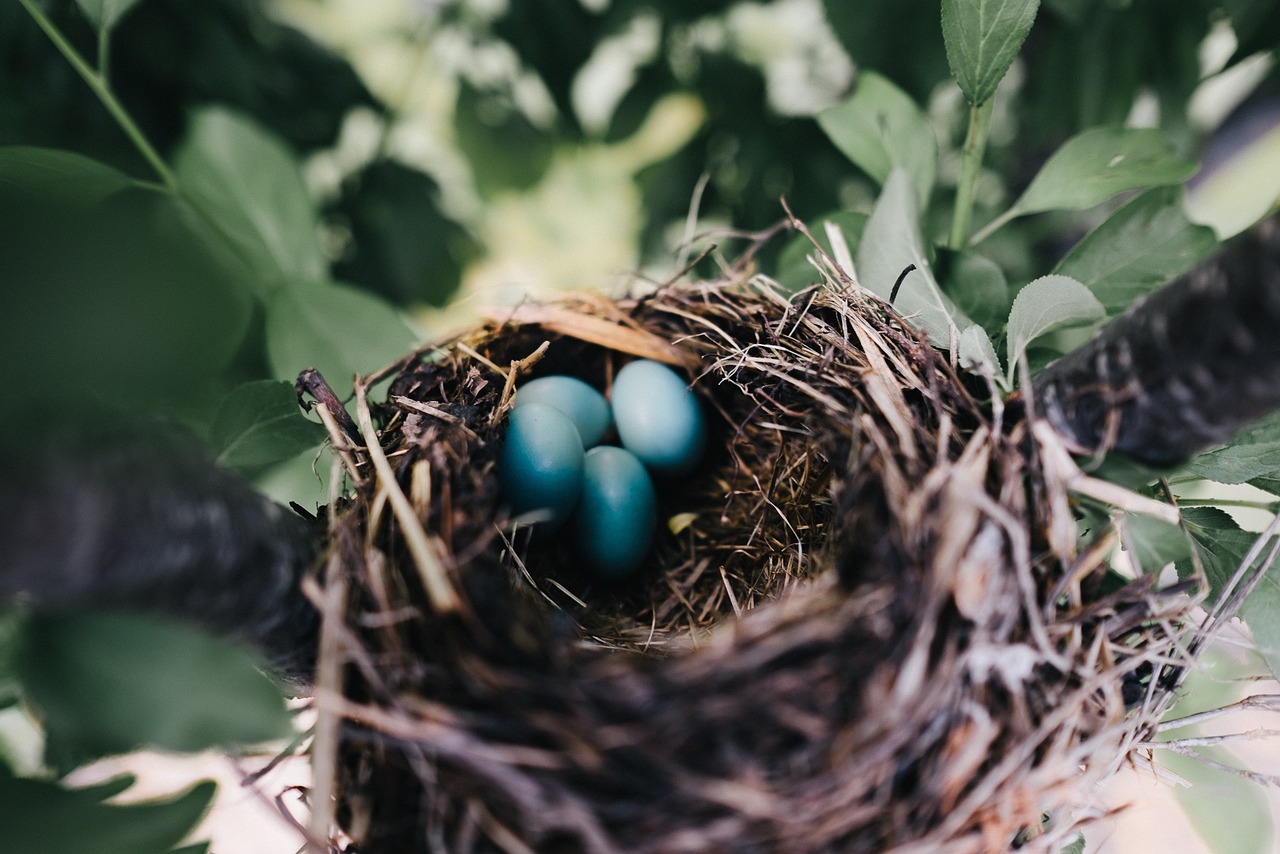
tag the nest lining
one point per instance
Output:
(872, 635)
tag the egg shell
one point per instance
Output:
(585, 406)
(541, 464)
(658, 417)
(613, 525)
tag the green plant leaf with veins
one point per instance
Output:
(879, 128)
(260, 423)
(890, 244)
(983, 38)
(338, 330)
(1141, 246)
(1048, 303)
(248, 182)
(1253, 453)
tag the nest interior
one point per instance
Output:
(868, 623)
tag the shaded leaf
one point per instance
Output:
(42, 816)
(10, 631)
(1253, 453)
(1094, 165)
(880, 128)
(1141, 246)
(1228, 812)
(110, 683)
(983, 38)
(249, 183)
(891, 242)
(978, 286)
(260, 423)
(977, 353)
(57, 177)
(339, 330)
(1045, 304)
(104, 14)
(794, 270)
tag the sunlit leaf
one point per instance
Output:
(338, 330)
(249, 184)
(890, 244)
(1093, 166)
(1048, 303)
(109, 683)
(42, 816)
(260, 423)
(983, 38)
(977, 353)
(880, 128)
(1142, 245)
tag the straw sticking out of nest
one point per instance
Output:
(868, 628)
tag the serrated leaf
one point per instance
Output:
(977, 353)
(891, 243)
(57, 177)
(339, 330)
(794, 270)
(248, 182)
(104, 684)
(1045, 304)
(260, 423)
(983, 38)
(104, 14)
(1093, 166)
(1253, 453)
(1141, 246)
(880, 128)
(41, 816)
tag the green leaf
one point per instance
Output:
(57, 177)
(1252, 453)
(880, 128)
(794, 270)
(977, 353)
(1048, 303)
(104, 14)
(336, 329)
(1076, 846)
(1228, 812)
(1093, 166)
(249, 183)
(1222, 546)
(104, 684)
(978, 286)
(1141, 246)
(1153, 543)
(983, 38)
(260, 423)
(890, 243)
(41, 816)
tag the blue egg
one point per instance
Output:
(658, 417)
(541, 464)
(585, 406)
(613, 525)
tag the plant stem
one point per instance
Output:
(104, 56)
(100, 88)
(975, 145)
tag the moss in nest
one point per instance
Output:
(924, 668)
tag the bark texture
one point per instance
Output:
(1182, 369)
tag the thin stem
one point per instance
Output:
(1270, 506)
(975, 145)
(104, 55)
(995, 224)
(100, 88)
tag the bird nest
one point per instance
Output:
(869, 623)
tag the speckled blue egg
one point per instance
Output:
(541, 464)
(613, 525)
(658, 417)
(585, 406)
